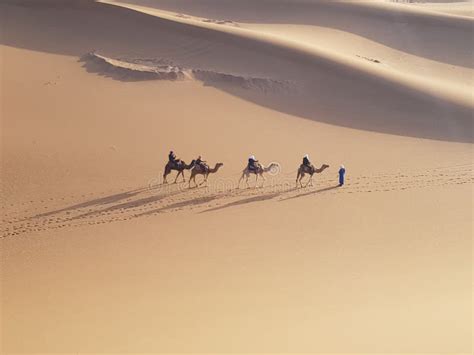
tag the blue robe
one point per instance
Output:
(341, 176)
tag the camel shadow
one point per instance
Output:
(194, 202)
(99, 201)
(311, 193)
(131, 204)
(114, 202)
(245, 201)
(178, 205)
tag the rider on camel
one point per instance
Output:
(172, 157)
(252, 166)
(306, 161)
(201, 163)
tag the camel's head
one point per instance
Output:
(218, 165)
(325, 166)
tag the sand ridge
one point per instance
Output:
(322, 54)
(210, 47)
(136, 69)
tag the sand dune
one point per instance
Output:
(365, 18)
(426, 109)
(97, 255)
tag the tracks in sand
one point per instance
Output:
(90, 209)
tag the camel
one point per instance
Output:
(304, 169)
(203, 170)
(179, 166)
(260, 169)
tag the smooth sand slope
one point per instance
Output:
(406, 106)
(98, 256)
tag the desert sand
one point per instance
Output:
(98, 256)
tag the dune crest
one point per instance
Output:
(333, 87)
(297, 51)
(133, 69)
(137, 69)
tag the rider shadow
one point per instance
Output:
(130, 205)
(193, 202)
(99, 201)
(245, 201)
(179, 205)
(311, 193)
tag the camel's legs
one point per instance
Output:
(299, 179)
(241, 178)
(205, 178)
(305, 185)
(264, 179)
(166, 172)
(204, 181)
(177, 176)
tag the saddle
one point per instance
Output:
(204, 167)
(177, 163)
(254, 167)
(307, 167)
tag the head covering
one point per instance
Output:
(342, 166)
(252, 157)
(306, 156)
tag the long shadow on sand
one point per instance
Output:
(95, 202)
(131, 204)
(245, 201)
(311, 193)
(182, 204)
(113, 202)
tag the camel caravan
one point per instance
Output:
(200, 167)
(197, 167)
